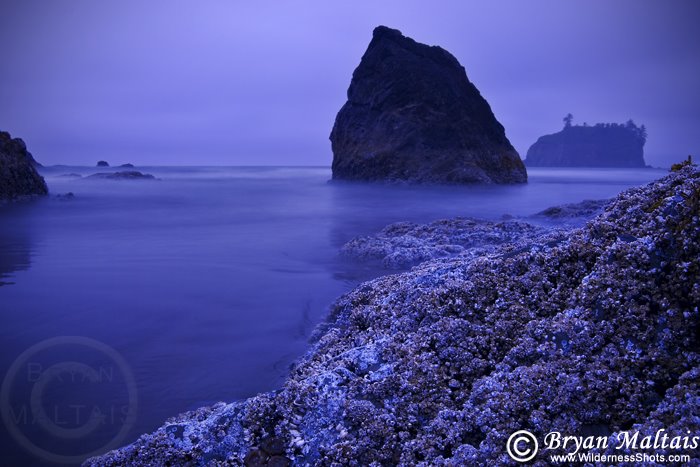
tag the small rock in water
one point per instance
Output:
(65, 196)
(126, 175)
(586, 208)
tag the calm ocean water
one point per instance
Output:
(201, 286)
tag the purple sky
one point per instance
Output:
(259, 83)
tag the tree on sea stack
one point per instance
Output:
(567, 120)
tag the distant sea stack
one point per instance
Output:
(18, 175)
(102, 164)
(125, 175)
(413, 115)
(601, 145)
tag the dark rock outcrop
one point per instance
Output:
(18, 175)
(128, 166)
(602, 145)
(413, 115)
(596, 331)
(102, 164)
(125, 175)
(583, 209)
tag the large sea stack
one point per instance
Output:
(413, 115)
(601, 145)
(18, 175)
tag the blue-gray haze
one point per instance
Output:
(259, 83)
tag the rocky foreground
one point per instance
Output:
(589, 333)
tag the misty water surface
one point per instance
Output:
(209, 281)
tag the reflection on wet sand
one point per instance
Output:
(15, 243)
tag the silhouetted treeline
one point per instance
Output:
(638, 131)
(599, 145)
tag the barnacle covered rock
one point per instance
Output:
(595, 331)
(405, 244)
